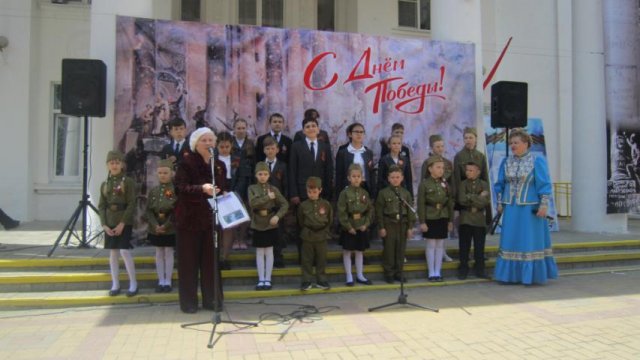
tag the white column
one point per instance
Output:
(589, 165)
(461, 21)
(16, 69)
(103, 47)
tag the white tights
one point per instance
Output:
(264, 263)
(115, 269)
(434, 253)
(359, 260)
(164, 264)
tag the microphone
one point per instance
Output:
(211, 150)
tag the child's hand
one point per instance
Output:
(484, 193)
(295, 200)
(172, 158)
(118, 229)
(160, 229)
(352, 231)
(274, 220)
(362, 228)
(271, 194)
(424, 227)
(107, 230)
(382, 232)
(450, 226)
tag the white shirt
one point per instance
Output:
(273, 163)
(240, 142)
(227, 162)
(358, 159)
(276, 136)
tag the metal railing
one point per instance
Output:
(562, 197)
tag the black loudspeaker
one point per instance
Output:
(508, 104)
(84, 87)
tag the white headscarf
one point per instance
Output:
(195, 136)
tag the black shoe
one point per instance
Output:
(224, 265)
(115, 292)
(279, 264)
(349, 283)
(306, 286)
(365, 281)
(159, 288)
(463, 272)
(12, 225)
(400, 278)
(323, 285)
(439, 279)
(167, 288)
(388, 279)
(432, 278)
(189, 310)
(267, 285)
(132, 293)
(260, 286)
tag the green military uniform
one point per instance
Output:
(264, 208)
(462, 158)
(117, 205)
(160, 203)
(315, 218)
(472, 203)
(435, 200)
(354, 208)
(393, 215)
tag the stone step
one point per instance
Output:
(78, 280)
(246, 258)
(15, 300)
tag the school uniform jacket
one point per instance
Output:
(383, 172)
(302, 165)
(284, 146)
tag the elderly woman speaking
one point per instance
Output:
(523, 190)
(194, 221)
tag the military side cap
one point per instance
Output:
(261, 166)
(470, 130)
(394, 168)
(314, 182)
(434, 159)
(434, 138)
(166, 163)
(115, 155)
(354, 167)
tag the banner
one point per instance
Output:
(496, 151)
(212, 74)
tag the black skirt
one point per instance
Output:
(122, 241)
(162, 240)
(438, 229)
(263, 239)
(357, 242)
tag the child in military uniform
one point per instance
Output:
(268, 206)
(278, 179)
(473, 197)
(395, 218)
(161, 232)
(354, 213)
(117, 205)
(395, 157)
(435, 211)
(315, 217)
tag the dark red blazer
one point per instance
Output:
(192, 211)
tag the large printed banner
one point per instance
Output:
(211, 74)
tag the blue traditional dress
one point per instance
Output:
(525, 254)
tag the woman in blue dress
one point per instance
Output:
(523, 190)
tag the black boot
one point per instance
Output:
(463, 271)
(478, 269)
(7, 222)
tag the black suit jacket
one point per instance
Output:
(169, 150)
(284, 145)
(384, 150)
(383, 172)
(344, 159)
(278, 177)
(302, 165)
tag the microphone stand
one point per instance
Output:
(218, 305)
(402, 298)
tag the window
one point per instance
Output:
(261, 12)
(414, 14)
(67, 147)
(190, 10)
(326, 18)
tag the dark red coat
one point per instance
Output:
(192, 210)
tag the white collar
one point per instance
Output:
(309, 141)
(353, 150)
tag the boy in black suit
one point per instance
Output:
(276, 122)
(179, 144)
(322, 135)
(278, 179)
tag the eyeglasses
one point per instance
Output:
(358, 131)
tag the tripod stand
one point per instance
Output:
(84, 203)
(216, 318)
(402, 298)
